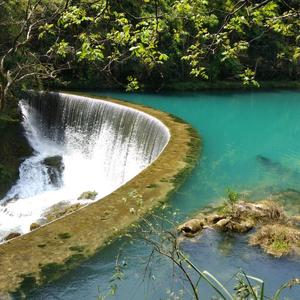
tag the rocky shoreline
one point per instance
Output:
(266, 222)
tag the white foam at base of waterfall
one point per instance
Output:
(102, 146)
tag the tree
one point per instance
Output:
(131, 43)
(140, 41)
(24, 59)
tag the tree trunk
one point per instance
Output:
(1, 98)
(4, 91)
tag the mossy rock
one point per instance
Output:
(235, 217)
(53, 161)
(12, 235)
(34, 226)
(88, 195)
(59, 210)
(276, 233)
(55, 168)
(277, 239)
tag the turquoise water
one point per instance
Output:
(251, 144)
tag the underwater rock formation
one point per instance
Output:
(290, 199)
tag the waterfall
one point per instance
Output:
(102, 145)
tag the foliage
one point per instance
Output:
(138, 43)
(232, 196)
(129, 42)
(118, 275)
(24, 59)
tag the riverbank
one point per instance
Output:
(196, 86)
(189, 86)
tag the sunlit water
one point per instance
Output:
(236, 129)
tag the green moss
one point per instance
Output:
(77, 248)
(48, 273)
(28, 284)
(280, 246)
(164, 180)
(52, 271)
(74, 260)
(151, 186)
(64, 235)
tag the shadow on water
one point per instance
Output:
(277, 167)
(224, 254)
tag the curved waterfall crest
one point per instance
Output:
(102, 145)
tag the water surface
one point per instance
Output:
(251, 143)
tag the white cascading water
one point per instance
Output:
(102, 146)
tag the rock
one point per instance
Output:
(277, 234)
(267, 209)
(222, 223)
(88, 195)
(55, 168)
(277, 239)
(213, 218)
(53, 161)
(59, 210)
(241, 226)
(34, 226)
(238, 217)
(12, 235)
(191, 227)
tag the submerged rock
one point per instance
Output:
(88, 195)
(55, 168)
(290, 199)
(12, 235)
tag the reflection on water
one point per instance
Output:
(251, 143)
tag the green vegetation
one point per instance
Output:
(64, 235)
(232, 196)
(277, 239)
(147, 44)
